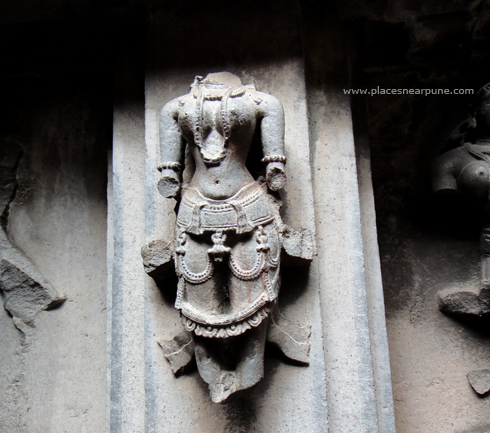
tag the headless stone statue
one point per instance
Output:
(229, 233)
(466, 169)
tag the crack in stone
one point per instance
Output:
(12, 185)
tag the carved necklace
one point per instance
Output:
(213, 157)
(479, 154)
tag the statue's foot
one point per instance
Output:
(472, 301)
(232, 365)
(223, 387)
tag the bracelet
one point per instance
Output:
(274, 158)
(176, 166)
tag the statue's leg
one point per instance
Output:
(230, 365)
(484, 295)
(485, 256)
(250, 363)
(234, 364)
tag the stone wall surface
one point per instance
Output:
(356, 351)
(293, 51)
(53, 372)
(427, 243)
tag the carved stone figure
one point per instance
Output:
(466, 169)
(25, 290)
(228, 235)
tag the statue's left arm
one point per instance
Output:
(172, 146)
(271, 113)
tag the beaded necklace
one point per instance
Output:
(203, 95)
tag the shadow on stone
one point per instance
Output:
(240, 415)
(295, 276)
(474, 322)
(25, 290)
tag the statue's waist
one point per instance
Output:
(242, 212)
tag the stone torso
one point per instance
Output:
(219, 127)
(465, 169)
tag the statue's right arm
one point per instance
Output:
(172, 146)
(444, 170)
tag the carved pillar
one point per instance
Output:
(126, 228)
(359, 393)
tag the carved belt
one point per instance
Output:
(244, 211)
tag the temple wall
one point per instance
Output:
(53, 372)
(83, 87)
(427, 244)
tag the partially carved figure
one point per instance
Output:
(466, 170)
(228, 235)
(25, 290)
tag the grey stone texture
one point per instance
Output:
(179, 351)
(465, 170)
(158, 258)
(262, 408)
(229, 232)
(480, 380)
(23, 296)
(278, 70)
(95, 363)
(464, 301)
(25, 290)
(358, 395)
(306, 55)
(126, 234)
(292, 340)
(53, 371)
(428, 244)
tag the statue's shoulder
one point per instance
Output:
(175, 104)
(266, 102)
(458, 151)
